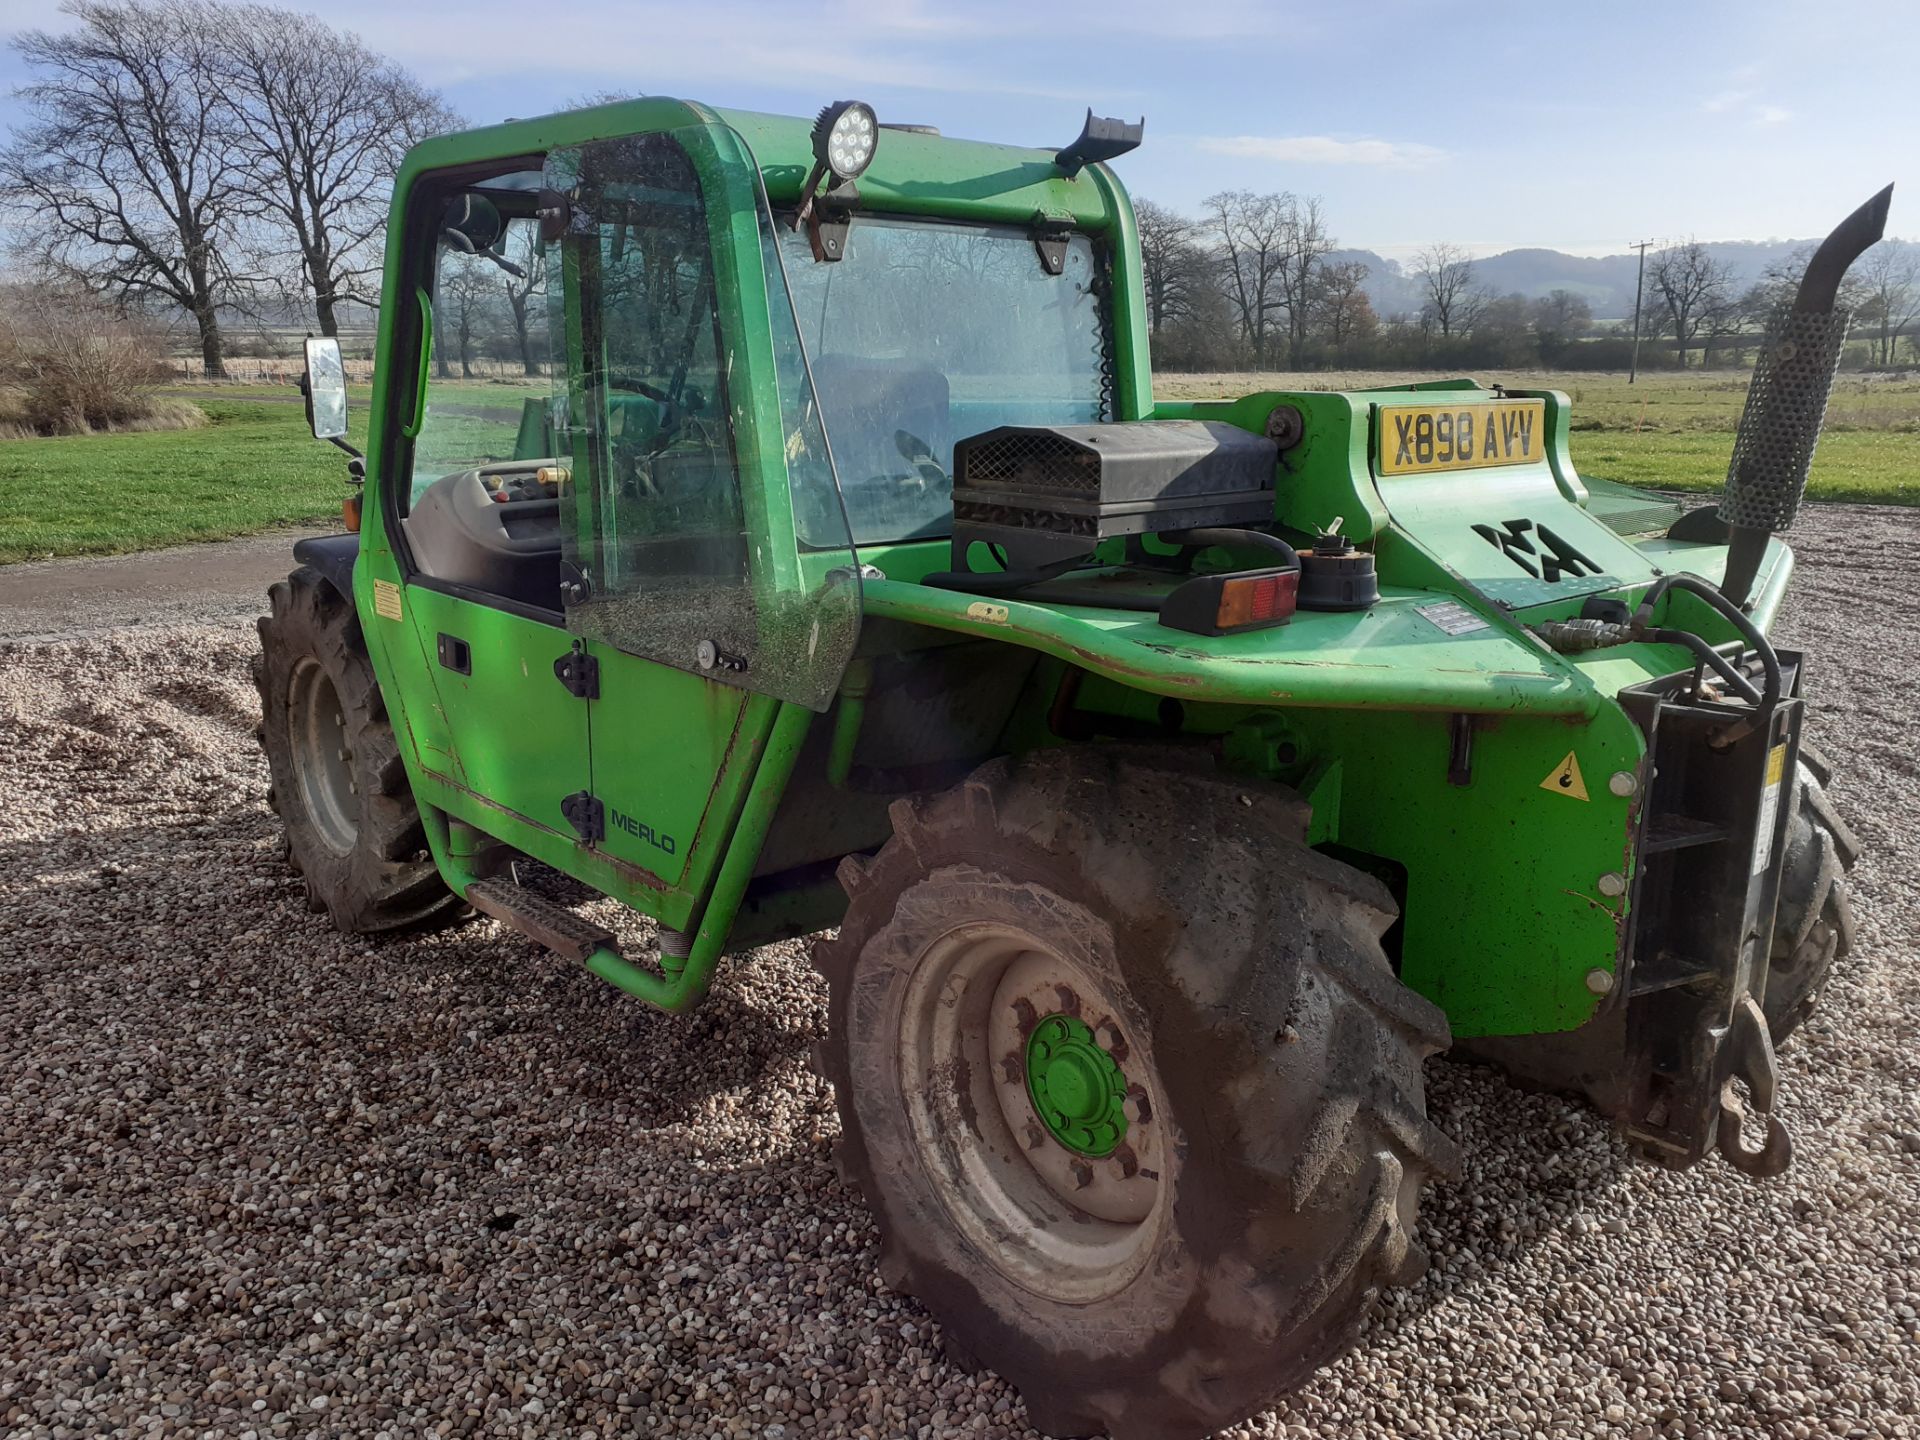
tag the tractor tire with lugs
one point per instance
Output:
(1814, 926)
(336, 780)
(1130, 1087)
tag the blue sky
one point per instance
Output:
(1578, 126)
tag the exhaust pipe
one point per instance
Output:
(1787, 400)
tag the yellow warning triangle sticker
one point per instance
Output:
(1565, 779)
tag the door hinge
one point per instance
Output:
(579, 672)
(587, 816)
(575, 587)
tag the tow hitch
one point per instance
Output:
(1748, 1049)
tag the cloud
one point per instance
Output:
(1742, 100)
(1324, 150)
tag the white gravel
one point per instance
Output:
(257, 1178)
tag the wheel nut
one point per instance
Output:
(1069, 1001)
(1025, 1014)
(1108, 1037)
(1128, 1162)
(1136, 1107)
(1082, 1175)
(1036, 1137)
(1013, 1068)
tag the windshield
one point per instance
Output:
(928, 332)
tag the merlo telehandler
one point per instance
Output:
(1178, 776)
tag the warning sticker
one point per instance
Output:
(1769, 808)
(1452, 617)
(386, 599)
(1565, 779)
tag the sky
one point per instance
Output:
(1577, 126)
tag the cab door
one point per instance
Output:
(707, 565)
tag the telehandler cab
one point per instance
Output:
(1178, 775)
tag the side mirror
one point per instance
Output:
(326, 388)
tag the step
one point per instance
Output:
(567, 934)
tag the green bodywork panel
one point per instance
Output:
(1364, 713)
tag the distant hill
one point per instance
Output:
(1606, 283)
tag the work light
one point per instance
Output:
(844, 138)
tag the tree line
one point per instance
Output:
(214, 157)
(209, 157)
(1255, 282)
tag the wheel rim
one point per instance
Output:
(1034, 1110)
(322, 756)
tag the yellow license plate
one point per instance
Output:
(1419, 439)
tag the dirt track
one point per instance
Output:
(258, 1176)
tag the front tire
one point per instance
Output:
(1178, 1190)
(335, 776)
(1814, 926)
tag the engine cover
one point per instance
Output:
(1047, 493)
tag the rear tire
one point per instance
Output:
(336, 779)
(1266, 1187)
(1813, 928)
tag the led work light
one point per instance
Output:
(844, 139)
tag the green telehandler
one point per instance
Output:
(1178, 776)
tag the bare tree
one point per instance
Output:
(1454, 302)
(320, 123)
(1172, 264)
(526, 292)
(463, 307)
(1341, 308)
(1306, 251)
(125, 176)
(1558, 319)
(1254, 233)
(1694, 289)
(1889, 280)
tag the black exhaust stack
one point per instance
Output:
(1787, 400)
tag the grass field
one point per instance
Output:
(1675, 432)
(256, 466)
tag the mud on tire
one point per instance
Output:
(1281, 1055)
(1814, 926)
(352, 828)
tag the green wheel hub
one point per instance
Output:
(1078, 1089)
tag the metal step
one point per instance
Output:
(568, 935)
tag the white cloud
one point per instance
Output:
(1323, 150)
(1726, 100)
(1771, 114)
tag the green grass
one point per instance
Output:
(1675, 432)
(255, 467)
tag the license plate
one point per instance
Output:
(1419, 439)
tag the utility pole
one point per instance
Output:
(1639, 281)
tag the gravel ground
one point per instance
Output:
(257, 1178)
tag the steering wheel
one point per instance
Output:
(621, 380)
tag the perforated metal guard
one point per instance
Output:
(1033, 462)
(1786, 403)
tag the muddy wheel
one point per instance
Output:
(335, 777)
(1814, 926)
(1130, 1087)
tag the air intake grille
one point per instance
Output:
(1028, 460)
